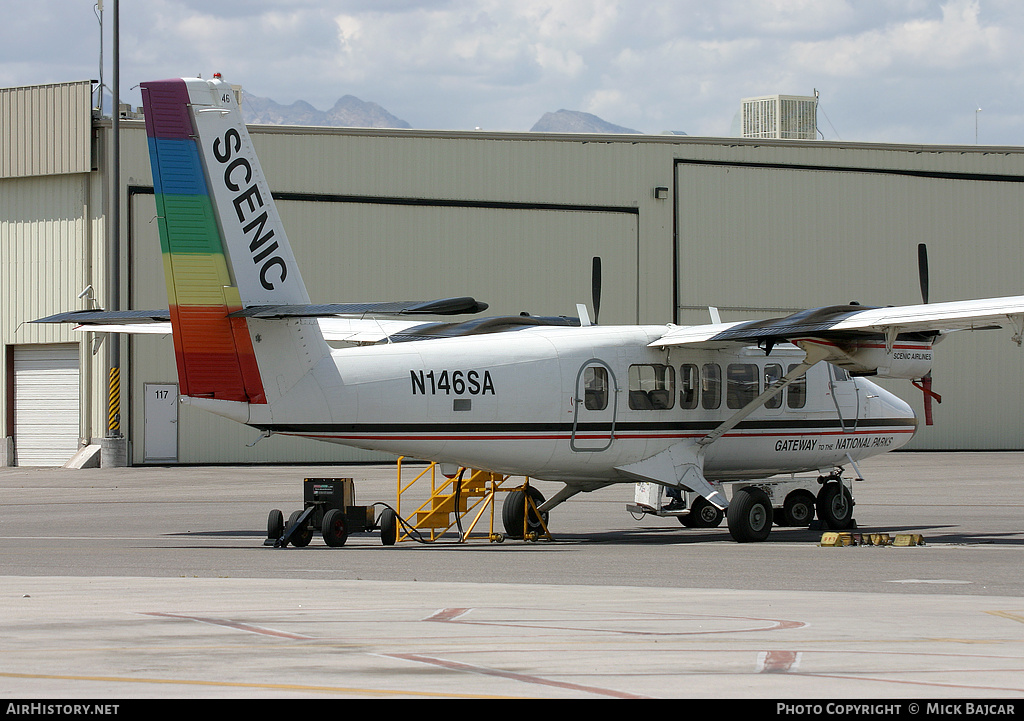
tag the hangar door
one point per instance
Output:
(46, 400)
(780, 238)
(515, 258)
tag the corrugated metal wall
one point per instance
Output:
(814, 237)
(45, 129)
(44, 262)
(46, 228)
(514, 220)
(516, 255)
(759, 224)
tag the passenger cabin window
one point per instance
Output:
(796, 392)
(689, 385)
(652, 387)
(711, 385)
(742, 382)
(595, 388)
(772, 374)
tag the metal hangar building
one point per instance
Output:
(755, 227)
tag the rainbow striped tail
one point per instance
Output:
(224, 247)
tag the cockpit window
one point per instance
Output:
(796, 392)
(772, 373)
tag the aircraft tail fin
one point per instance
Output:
(224, 247)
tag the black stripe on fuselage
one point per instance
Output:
(793, 426)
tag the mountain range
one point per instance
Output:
(351, 112)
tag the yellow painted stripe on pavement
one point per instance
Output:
(266, 686)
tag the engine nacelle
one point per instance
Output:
(904, 359)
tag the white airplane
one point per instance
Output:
(552, 399)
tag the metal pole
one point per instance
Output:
(114, 302)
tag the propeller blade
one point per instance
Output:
(596, 287)
(925, 386)
(926, 383)
(922, 269)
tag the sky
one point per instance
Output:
(901, 71)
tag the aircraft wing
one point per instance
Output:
(857, 322)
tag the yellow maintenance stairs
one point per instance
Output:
(451, 500)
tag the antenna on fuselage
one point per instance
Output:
(595, 286)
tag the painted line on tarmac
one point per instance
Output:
(485, 671)
(236, 625)
(391, 693)
(778, 661)
(931, 684)
(443, 615)
(455, 615)
(1017, 616)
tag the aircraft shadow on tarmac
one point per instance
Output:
(668, 536)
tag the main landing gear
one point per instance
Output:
(754, 507)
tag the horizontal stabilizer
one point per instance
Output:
(359, 331)
(445, 306)
(86, 317)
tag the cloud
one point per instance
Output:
(654, 65)
(956, 40)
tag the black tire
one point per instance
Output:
(750, 515)
(512, 511)
(835, 506)
(334, 528)
(703, 514)
(275, 524)
(797, 510)
(302, 536)
(388, 524)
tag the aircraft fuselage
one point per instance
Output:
(572, 404)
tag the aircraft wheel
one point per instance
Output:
(512, 511)
(334, 528)
(750, 515)
(388, 524)
(302, 536)
(835, 506)
(797, 511)
(703, 514)
(275, 524)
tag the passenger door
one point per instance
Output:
(594, 408)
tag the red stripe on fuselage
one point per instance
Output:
(566, 435)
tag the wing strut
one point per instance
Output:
(682, 464)
(815, 353)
